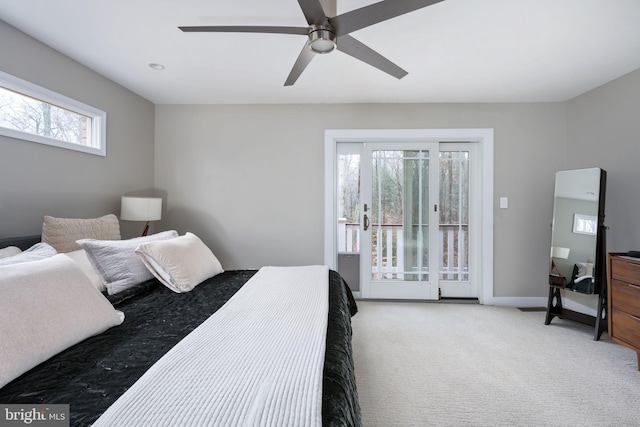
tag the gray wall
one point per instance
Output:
(38, 180)
(249, 178)
(603, 130)
(229, 171)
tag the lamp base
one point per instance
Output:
(146, 229)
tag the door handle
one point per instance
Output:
(366, 222)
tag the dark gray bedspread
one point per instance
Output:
(91, 375)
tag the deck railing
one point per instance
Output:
(453, 249)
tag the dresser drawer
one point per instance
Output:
(626, 328)
(625, 297)
(625, 270)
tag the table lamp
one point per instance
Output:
(560, 253)
(141, 209)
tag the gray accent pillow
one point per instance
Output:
(116, 261)
(62, 233)
(34, 253)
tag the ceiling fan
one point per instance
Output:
(327, 32)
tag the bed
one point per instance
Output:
(582, 278)
(101, 371)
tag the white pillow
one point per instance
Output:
(34, 253)
(116, 261)
(80, 257)
(181, 263)
(62, 233)
(47, 306)
(9, 251)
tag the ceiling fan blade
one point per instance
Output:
(377, 12)
(330, 8)
(353, 47)
(246, 29)
(313, 11)
(301, 63)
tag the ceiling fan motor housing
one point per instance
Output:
(322, 39)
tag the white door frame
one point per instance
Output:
(484, 138)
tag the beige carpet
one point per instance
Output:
(435, 364)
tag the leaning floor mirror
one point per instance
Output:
(578, 250)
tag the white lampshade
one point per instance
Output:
(141, 208)
(560, 252)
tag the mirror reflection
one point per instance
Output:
(575, 229)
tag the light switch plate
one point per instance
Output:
(504, 202)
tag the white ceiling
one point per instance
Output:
(454, 51)
(581, 184)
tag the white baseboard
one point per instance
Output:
(534, 302)
(503, 301)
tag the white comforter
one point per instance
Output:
(257, 361)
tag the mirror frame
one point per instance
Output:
(601, 242)
(554, 302)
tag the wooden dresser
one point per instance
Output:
(624, 300)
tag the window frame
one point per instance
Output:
(580, 226)
(98, 131)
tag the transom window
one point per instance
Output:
(33, 113)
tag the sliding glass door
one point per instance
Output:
(406, 224)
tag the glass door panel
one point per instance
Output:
(454, 215)
(454, 241)
(401, 234)
(348, 203)
(400, 215)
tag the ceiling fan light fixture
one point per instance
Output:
(321, 39)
